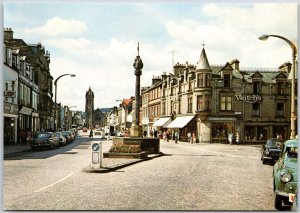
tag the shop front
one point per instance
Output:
(221, 127)
(25, 120)
(10, 124)
(183, 125)
(161, 124)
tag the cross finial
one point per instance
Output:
(138, 48)
(203, 43)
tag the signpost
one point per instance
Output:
(96, 155)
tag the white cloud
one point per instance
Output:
(231, 32)
(234, 32)
(57, 26)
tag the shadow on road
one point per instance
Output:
(79, 143)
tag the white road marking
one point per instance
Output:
(55, 182)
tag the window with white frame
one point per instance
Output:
(226, 103)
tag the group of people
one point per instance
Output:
(25, 136)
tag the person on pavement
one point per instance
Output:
(91, 133)
(176, 137)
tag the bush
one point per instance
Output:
(125, 149)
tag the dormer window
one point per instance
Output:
(256, 87)
(280, 88)
(226, 80)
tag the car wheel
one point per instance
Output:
(33, 148)
(278, 202)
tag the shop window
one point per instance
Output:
(226, 80)
(256, 109)
(256, 87)
(226, 103)
(280, 109)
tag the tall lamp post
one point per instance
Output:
(55, 107)
(293, 98)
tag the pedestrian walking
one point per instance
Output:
(200, 138)
(165, 136)
(189, 137)
(23, 137)
(91, 133)
(176, 135)
(193, 138)
(28, 136)
(230, 137)
(168, 135)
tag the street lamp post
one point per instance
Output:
(55, 107)
(293, 98)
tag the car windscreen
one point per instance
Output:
(292, 152)
(272, 142)
(42, 135)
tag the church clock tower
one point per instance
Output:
(89, 108)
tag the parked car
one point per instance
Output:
(44, 139)
(121, 134)
(285, 174)
(85, 129)
(72, 138)
(73, 132)
(67, 136)
(97, 132)
(271, 151)
(62, 139)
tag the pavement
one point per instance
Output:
(17, 148)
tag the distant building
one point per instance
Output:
(89, 109)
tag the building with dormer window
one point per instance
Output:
(213, 101)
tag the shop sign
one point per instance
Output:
(26, 111)
(35, 114)
(10, 109)
(145, 121)
(9, 93)
(249, 98)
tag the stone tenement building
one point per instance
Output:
(31, 86)
(212, 101)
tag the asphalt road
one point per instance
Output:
(188, 177)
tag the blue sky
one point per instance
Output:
(97, 41)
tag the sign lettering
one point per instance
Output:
(249, 98)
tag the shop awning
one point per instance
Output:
(180, 122)
(162, 121)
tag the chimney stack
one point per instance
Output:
(8, 34)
